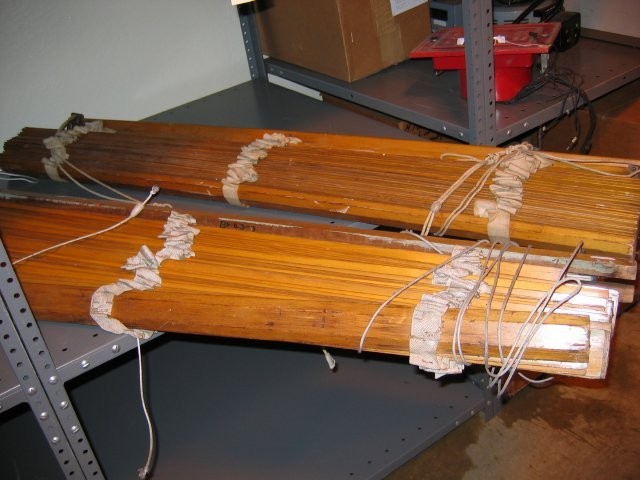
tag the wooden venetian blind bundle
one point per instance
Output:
(319, 285)
(536, 199)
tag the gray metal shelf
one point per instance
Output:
(411, 91)
(292, 416)
(603, 67)
(479, 126)
(235, 409)
(75, 349)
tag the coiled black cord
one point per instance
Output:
(568, 85)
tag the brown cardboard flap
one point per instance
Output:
(345, 39)
(360, 38)
(305, 33)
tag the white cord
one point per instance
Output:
(89, 190)
(16, 177)
(456, 344)
(144, 471)
(493, 161)
(420, 237)
(134, 213)
(419, 278)
(102, 184)
(578, 164)
(530, 327)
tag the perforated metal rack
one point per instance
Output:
(35, 376)
(411, 91)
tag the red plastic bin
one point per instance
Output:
(514, 49)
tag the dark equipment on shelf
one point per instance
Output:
(448, 13)
(445, 13)
(536, 11)
(569, 31)
(542, 11)
(546, 11)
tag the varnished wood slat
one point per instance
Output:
(296, 288)
(383, 181)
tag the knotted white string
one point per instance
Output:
(512, 167)
(426, 323)
(55, 164)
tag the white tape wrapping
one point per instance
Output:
(179, 235)
(57, 146)
(426, 322)
(243, 169)
(517, 165)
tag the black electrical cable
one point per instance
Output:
(548, 13)
(568, 84)
(528, 10)
(552, 12)
(510, 2)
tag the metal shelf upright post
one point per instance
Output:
(478, 27)
(251, 41)
(40, 380)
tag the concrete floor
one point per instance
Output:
(571, 429)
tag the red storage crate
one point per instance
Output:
(514, 49)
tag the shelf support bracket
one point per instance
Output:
(251, 40)
(478, 32)
(40, 380)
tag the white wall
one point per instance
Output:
(617, 16)
(123, 59)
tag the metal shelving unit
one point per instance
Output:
(361, 422)
(411, 91)
(74, 350)
(32, 374)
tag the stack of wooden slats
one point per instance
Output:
(322, 285)
(314, 285)
(384, 182)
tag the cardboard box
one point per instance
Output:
(344, 39)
